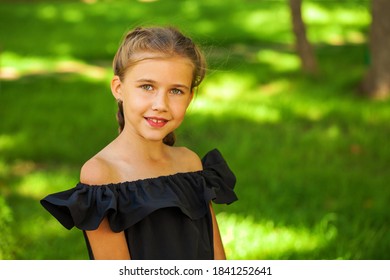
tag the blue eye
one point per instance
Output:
(147, 87)
(176, 91)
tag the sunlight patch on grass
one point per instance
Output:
(7, 142)
(261, 113)
(205, 26)
(191, 9)
(227, 86)
(309, 111)
(255, 21)
(275, 87)
(333, 132)
(279, 61)
(336, 26)
(234, 94)
(37, 183)
(52, 12)
(261, 23)
(48, 12)
(317, 13)
(73, 15)
(14, 66)
(245, 238)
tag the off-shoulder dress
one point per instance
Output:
(166, 217)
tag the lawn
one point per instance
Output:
(311, 156)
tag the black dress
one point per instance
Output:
(165, 217)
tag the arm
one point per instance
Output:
(105, 244)
(219, 252)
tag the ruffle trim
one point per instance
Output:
(125, 204)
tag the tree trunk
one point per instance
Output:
(376, 83)
(303, 47)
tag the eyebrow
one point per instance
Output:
(145, 81)
(154, 82)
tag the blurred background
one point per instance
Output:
(296, 98)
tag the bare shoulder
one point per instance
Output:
(189, 159)
(96, 171)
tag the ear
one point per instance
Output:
(116, 87)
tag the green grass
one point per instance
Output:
(311, 156)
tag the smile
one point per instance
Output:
(156, 122)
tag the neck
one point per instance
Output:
(134, 145)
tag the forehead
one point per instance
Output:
(140, 57)
(155, 65)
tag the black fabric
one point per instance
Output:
(163, 218)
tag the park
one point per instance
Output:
(310, 152)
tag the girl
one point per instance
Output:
(140, 197)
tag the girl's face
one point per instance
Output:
(156, 92)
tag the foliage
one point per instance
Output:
(311, 157)
(6, 242)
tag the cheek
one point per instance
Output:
(136, 102)
(180, 108)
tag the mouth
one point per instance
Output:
(156, 122)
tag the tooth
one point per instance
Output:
(156, 120)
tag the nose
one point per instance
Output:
(160, 102)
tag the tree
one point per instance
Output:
(302, 44)
(376, 83)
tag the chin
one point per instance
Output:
(154, 138)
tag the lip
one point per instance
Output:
(156, 122)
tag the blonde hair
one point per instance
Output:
(164, 41)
